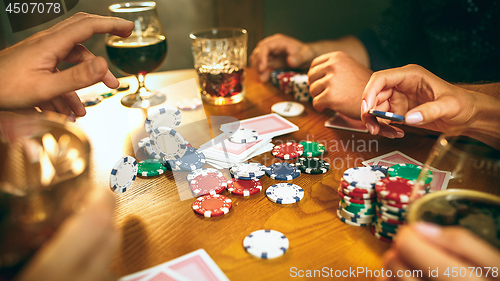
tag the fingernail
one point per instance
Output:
(428, 229)
(387, 134)
(364, 106)
(400, 134)
(72, 118)
(370, 128)
(414, 118)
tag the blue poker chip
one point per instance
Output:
(387, 115)
(283, 171)
(192, 160)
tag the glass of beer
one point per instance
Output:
(220, 56)
(142, 52)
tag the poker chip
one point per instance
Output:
(354, 200)
(393, 204)
(380, 236)
(356, 195)
(190, 161)
(150, 168)
(167, 143)
(123, 174)
(266, 244)
(347, 186)
(362, 177)
(91, 99)
(392, 209)
(285, 193)
(357, 218)
(164, 117)
(242, 135)
(312, 148)
(312, 165)
(387, 227)
(193, 174)
(189, 104)
(108, 94)
(208, 183)
(348, 221)
(247, 171)
(358, 211)
(285, 82)
(395, 189)
(396, 217)
(282, 171)
(288, 108)
(388, 219)
(300, 88)
(379, 228)
(409, 172)
(212, 205)
(387, 115)
(288, 150)
(380, 168)
(244, 187)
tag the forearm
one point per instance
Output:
(349, 44)
(491, 89)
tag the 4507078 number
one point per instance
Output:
(33, 8)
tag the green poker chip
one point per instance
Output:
(409, 172)
(312, 148)
(150, 168)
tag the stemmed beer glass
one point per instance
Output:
(142, 52)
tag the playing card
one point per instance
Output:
(395, 157)
(268, 126)
(343, 122)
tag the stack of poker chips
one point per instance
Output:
(246, 178)
(358, 202)
(393, 198)
(292, 82)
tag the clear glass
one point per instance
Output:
(468, 164)
(142, 52)
(220, 56)
(44, 178)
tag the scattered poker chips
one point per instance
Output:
(190, 161)
(409, 172)
(193, 174)
(266, 244)
(387, 115)
(312, 149)
(288, 150)
(164, 117)
(288, 108)
(247, 171)
(244, 187)
(242, 135)
(285, 193)
(212, 205)
(283, 171)
(150, 168)
(189, 104)
(312, 165)
(362, 177)
(208, 183)
(123, 174)
(167, 143)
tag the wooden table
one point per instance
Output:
(156, 226)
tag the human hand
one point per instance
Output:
(29, 74)
(280, 51)
(337, 81)
(82, 248)
(421, 247)
(424, 99)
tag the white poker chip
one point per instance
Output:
(247, 171)
(285, 193)
(167, 143)
(195, 173)
(164, 117)
(288, 108)
(362, 177)
(189, 104)
(145, 144)
(123, 174)
(242, 135)
(266, 244)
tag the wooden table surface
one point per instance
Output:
(157, 226)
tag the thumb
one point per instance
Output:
(443, 107)
(79, 76)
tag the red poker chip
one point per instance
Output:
(394, 188)
(356, 195)
(389, 220)
(212, 205)
(354, 200)
(346, 185)
(208, 183)
(394, 204)
(288, 150)
(244, 187)
(285, 81)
